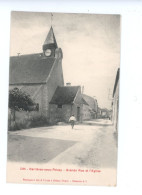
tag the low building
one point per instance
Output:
(105, 113)
(67, 100)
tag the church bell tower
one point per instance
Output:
(50, 44)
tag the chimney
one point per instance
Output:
(68, 84)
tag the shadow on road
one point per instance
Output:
(33, 149)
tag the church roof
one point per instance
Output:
(30, 69)
(64, 95)
(50, 39)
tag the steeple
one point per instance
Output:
(50, 41)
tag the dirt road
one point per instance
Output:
(91, 144)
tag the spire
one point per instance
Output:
(50, 40)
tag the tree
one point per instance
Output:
(19, 100)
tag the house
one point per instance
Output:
(90, 106)
(105, 113)
(115, 103)
(39, 74)
(67, 100)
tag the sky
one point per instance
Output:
(90, 45)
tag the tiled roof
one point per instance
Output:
(90, 101)
(64, 95)
(84, 102)
(33, 68)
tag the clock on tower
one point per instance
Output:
(48, 52)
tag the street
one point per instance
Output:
(91, 144)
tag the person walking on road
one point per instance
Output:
(72, 120)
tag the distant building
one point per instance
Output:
(105, 113)
(115, 103)
(99, 113)
(90, 107)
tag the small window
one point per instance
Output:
(59, 106)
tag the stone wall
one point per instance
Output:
(47, 91)
(56, 79)
(60, 114)
(86, 114)
(24, 120)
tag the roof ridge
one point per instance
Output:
(27, 54)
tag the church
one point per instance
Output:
(40, 75)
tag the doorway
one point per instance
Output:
(78, 113)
